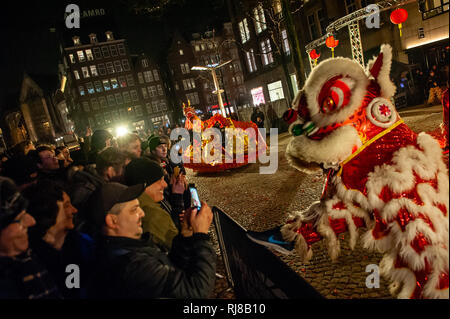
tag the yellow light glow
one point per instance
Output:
(121, 131)
(415, 45)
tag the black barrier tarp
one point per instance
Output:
(254, 271)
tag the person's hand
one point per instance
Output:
(201, 220)
(186, 229)
(178, 184)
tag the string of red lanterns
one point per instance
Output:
(314, 56)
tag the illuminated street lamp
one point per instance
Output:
(218, 91)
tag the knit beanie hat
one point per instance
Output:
(142, 170)
(12, 203)
(154, 141)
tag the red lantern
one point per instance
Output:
(314, 56)
(398, 16)
(331, 43)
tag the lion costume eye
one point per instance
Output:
(328, 105)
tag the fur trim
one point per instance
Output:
(387, 87)
(331, 150)
(324, 72)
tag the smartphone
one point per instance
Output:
(195, 200)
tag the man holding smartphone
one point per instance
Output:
(131, 267)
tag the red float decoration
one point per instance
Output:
(314, 56)
(399, 16)
(331, 43)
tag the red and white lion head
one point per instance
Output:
(340, 107)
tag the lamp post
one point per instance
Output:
(218, 91)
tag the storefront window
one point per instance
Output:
(258, 96)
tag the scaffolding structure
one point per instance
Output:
(352, 22)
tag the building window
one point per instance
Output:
(118, 66)
(93, 70)
(121, 49)
(160, 90)
(266, 52)
(81, 57)
(122, 82)
(106, 85)
(101, 69)
(99, 119)
(125, 64)
(85, 72)
(144, 63)
(181, 52)
(94, 103)
(275, 91)
(260, 19)
(185, 68)
(105, 52)
(103, 102)
(244, 31)
(134, 95)
(138, 110)
(89, 55)
(119, 98)
(130, 111)
(114, 83)
(251, 61)
(110, 67)
(152, 91)
(130, 80)
(197, 48)
(72, 58)
(156, 75)
(140, 78)
(148, 76)
(322, 22)
(111, 100)
(126, 97)
(115, 116)
(148, 106)
(86, 106)
(193, 98)
(113, 50)
(163, 105)
(98, 86)
(203, 46)
(286, 47)
(123, 113)
(432, 8)
(90, 88)
(258, 96)
(81, 90)
(97, 53)
(144, 93)
(155, 106)
(177, 87)
(313, 31)
(76, 74)
(350, 6)
(107, 118)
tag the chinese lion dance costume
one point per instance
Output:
(380, 175)
(222, 123)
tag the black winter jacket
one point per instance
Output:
(130, 268)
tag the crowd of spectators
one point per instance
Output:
(117, 210)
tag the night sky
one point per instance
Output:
(29, 45)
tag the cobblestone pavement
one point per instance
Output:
(260, 202)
